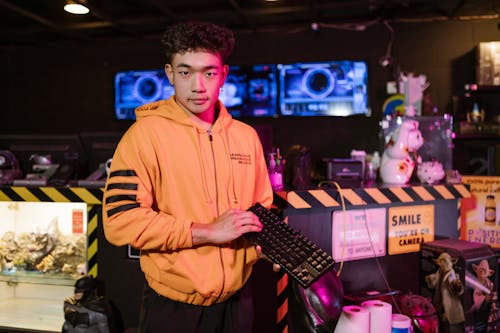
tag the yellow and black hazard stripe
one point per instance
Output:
(282, 292)
(91, 196)
(319, 198)
(94, 216)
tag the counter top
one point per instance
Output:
(386, 194)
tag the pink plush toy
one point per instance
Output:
(400, 155)
(430, 172)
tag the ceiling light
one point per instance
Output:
(75, 8)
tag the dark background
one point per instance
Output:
(69, 88)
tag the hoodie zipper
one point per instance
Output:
(210, 137)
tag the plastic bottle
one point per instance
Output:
(275, 171)
(376, 160)
(400, 323)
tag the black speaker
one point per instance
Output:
(345, 171)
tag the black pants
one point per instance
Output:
(162, 315)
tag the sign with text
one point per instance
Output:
(480, 213)
(77, 221)
(358, 234)
(410, 226)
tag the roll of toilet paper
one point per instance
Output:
(380, 315)
(353, 319)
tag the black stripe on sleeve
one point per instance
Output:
(126, 173)
(121, 186)
(123, 197)
(122, 208)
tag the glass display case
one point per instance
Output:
(437, 133)
(43, 250)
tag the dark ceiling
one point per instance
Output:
(43, 22)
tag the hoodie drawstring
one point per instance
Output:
(232, 183)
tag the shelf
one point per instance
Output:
(31, 315)
(27, 307)
(37, 277)
(473, 88)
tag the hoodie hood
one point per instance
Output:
(171, 110)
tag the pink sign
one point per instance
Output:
(358, 234)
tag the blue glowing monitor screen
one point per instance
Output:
(137, 87)
(335, 88)
(251, 91)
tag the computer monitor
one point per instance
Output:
(134, 88)
(330, 88)
(251, 90)
(99, 147)
(59, 149)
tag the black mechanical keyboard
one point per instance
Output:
(298, 256)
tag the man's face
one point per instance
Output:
(197, 78)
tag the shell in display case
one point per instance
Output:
(43, 240)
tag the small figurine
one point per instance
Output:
(484, 296)
(448, 289)
(400, 155)
(85, 311)
(476, 116)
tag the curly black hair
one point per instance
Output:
(183, 37)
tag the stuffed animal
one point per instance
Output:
(400, 154)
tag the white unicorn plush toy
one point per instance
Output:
(400, 155)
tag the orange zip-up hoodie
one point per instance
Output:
(167, 172)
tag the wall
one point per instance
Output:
(69, 88)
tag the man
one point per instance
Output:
(181, 181)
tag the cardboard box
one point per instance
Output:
(488, 63)
(461, 279)
(480, 213)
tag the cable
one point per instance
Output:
(342, 202)
(379, 266)
(386, 59)
(345, 225)
(377, 261)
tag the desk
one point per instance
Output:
(308, 211)
(312, 212)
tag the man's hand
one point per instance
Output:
(227, 227)
(261, 255)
